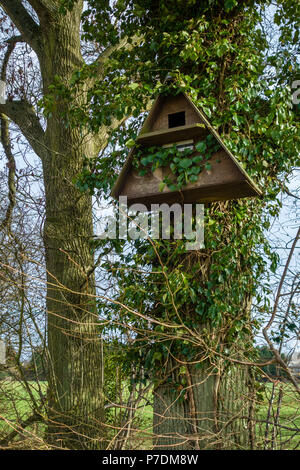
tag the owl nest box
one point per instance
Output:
(175, 120)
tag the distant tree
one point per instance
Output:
(36, 368)
(272, 370)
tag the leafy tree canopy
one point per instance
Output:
(220, 53)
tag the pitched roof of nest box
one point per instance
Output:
(176, 120)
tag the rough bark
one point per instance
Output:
(205, 402)
(75, 402)
(75, 382)
(210, 412)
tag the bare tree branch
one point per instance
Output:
(11, 45)
(23, 21)
(105, 55)
(43, 8)
(268, 326)
(24, 116)
(289, 193)
(20, 428)
(5, 141)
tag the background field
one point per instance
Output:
(277, 417)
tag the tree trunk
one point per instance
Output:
(205, 402)
(210, 412)
(74, 335)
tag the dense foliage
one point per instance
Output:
(219, 54)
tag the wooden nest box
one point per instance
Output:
(175, 120)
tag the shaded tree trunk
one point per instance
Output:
(210, 412)
(205, 402)
(74, 336)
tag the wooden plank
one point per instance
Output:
(175, 134)
(223, 192)
(222, 171)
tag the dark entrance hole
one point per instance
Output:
(176, 119)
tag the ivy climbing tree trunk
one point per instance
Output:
(211, 411)
(204, 400)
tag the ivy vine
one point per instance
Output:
(185, 164)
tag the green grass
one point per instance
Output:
(288, 410)
(16, 403)
(16, 406)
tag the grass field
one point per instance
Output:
(285, 410)
(16, 406)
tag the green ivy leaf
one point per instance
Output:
(130, 143)
(185, 163)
